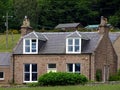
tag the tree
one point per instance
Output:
(28, 8)
(3, 9)
(52, 12)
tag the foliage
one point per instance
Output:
(48, 13)
(115, 77)
(99, 75)
(34, 84)
(61, 78)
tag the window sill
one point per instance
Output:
(1, 78)
(29, 81)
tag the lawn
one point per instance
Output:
(90, 87)
(11, 43)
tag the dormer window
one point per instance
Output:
(73, 45)
(30, 46)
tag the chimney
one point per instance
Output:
(103, 28)
(26, 28)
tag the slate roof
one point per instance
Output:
(5, 59)
(67, 25)
(56, 42)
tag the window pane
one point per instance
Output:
(51, 65)
(70, 67)
(70, 41)
(34, 67)
(76, 48)
(33, 50)
(27, 67)
(34, 40)
(77, 68)
(27, 42)
(34, 76)
(70, 48)
(34, 45)
(1, 74)
(27, 49)
(27, 77)
(77, 42)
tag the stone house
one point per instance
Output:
(76, 52)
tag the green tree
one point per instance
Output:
(52, 12)
(28, 8)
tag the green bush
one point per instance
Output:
(99, 75)
(114, 78)
(61, 78)
(34, 84)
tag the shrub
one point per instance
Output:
(99, 75)
(115, 77)
(61, 78)
(34, 84)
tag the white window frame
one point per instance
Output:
(73, 64)
(73, 52)
(3, 76)
(51, 69)
(29, 72)
(30, 46)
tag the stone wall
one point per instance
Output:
(43, 60)
(6, 70)
(105, 58)
(116, 45)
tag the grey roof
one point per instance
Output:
(36, 35)
(56, 43)
(5, 59)
(67, 25)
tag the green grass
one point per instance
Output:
(11, 44)
(97, 87)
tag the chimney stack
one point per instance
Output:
(103, 28)
(26, 28)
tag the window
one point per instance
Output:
(51, 68)
(30, 46)
(73, 67)
(30, 72)
(1, 76)
(73, 45)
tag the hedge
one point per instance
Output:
(61, 78)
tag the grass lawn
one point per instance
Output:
(10, 43)
(97, 87)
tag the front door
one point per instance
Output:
(106, 73)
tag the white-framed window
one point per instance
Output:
(1, 75)
(30, 73)
(30, 46)
(51, 67)
(73, 67)
(73, 45)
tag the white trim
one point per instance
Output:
(35, 34)
(45, 36)
(73, 52)
(29, 72)
(30, 46)
(73, 33)
(3, 76)
(73, 66)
